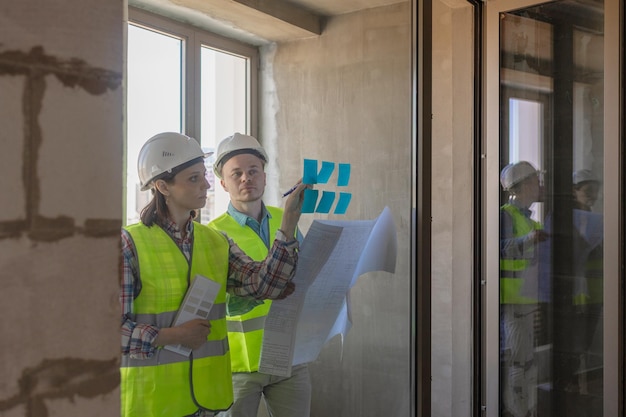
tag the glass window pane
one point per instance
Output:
(154, 97)
(224, 109)
(551, 210)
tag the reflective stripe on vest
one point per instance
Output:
(512, 269)
(245, 332)
(160, 386)
(164, 356)
(257, 323)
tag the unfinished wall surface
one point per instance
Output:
(345, 96)
(60, 213)
(452, 191)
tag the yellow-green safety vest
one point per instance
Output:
(245, 332)
(594, 274)
(160, 385)
(512, 269)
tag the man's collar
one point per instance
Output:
(242, 218)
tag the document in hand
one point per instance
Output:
(197, 304)
(332, 257)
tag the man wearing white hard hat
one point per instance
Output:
(586, 187)
(519, 238)
(161, 256)
(240, 166)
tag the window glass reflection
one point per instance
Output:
(154, 101)
(224, 110)
(551, 222)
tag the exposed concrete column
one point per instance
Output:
(61, 111)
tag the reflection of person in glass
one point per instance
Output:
(588, 273)
(586, 188)
(519, 238)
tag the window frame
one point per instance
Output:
(193, 40)
(613, 324)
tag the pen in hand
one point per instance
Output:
(291, 190)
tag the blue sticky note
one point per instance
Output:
(325, 171)
(310, 171)
(328, 197)
(344, 175)
(342, 204)
(310, 200)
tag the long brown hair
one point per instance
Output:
(156, 211)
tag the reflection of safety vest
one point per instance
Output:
(511, 270)
(245, 332)
(594, 274)
(160, 386)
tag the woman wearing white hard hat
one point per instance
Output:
(519, 236)
(161, 257)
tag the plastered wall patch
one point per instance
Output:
(62, 378)
(34, 66)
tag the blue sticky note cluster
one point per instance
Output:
(312, 175)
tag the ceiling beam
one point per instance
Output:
(273, 20)
(288, 13)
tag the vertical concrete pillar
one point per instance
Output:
(61, 112)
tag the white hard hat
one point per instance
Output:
(583, 175)
(515, 173)
(164, 152)
(234, 145)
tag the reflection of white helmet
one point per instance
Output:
(515, 173)
(164, 152)
(234, 145)
(583, 175)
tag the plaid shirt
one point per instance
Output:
(261, 280)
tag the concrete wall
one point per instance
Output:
(60, 210)
(452, 209)
(345, 96)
